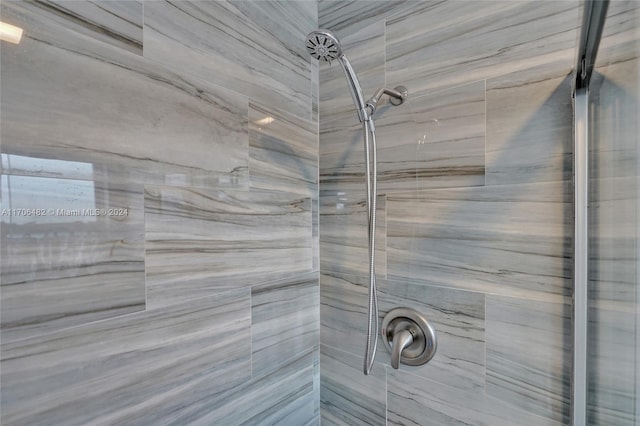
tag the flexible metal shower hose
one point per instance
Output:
(372, 190)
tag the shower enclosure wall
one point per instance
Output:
(475, 174)
(205, 293)
(195, 300)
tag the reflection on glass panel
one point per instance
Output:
(27, 199)
(614, 232)
(22, 165)
(72, 251)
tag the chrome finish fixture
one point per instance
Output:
(401, 341)
(396, 95)
(409, 337)
(403, 93)
(354, 88)
(580, 256)
(372, 192)
(593, 20)
(324, 46)
(594, 14)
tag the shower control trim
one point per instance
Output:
(408, 337)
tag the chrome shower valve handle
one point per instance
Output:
(401, 341)
(408, 337)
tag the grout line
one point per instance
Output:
(386, 239)
(144, 257)
(384, 22)
(485, 133)
(129, 314)
(143, 31)
(484, 371)
(386, 396)
(251, 331)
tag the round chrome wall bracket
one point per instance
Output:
(398, 101)
(408, 336)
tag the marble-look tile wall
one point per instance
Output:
(159, 197)
(118, 23)
(475, 179)
(250, 58)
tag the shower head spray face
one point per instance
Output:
(323, 45)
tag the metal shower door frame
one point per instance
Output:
(592, 24)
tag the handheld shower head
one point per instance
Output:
(323, 45)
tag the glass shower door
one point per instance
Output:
(613, 354)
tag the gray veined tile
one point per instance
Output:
(225, 238)
(283, 397)
(529, 129)
(458, 319)
(315, 232)
(612, 360)
(613, 253)
(613, 96)
(529, 355)
(316, 384)
(436, 140)
(116, 22)
(176, 214)
(145, 368)
(287, 21)
(343, 312)
(413, 400)
(348, 397)
(283, 151)
(342, 169)
(133, 121)
(222, 43)
(285, 321)
(501, 239)
(430, 141)
(443, 44)
(346, 17)
(621, 33)
(182, 290)
(344, 241)
(79, 260)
